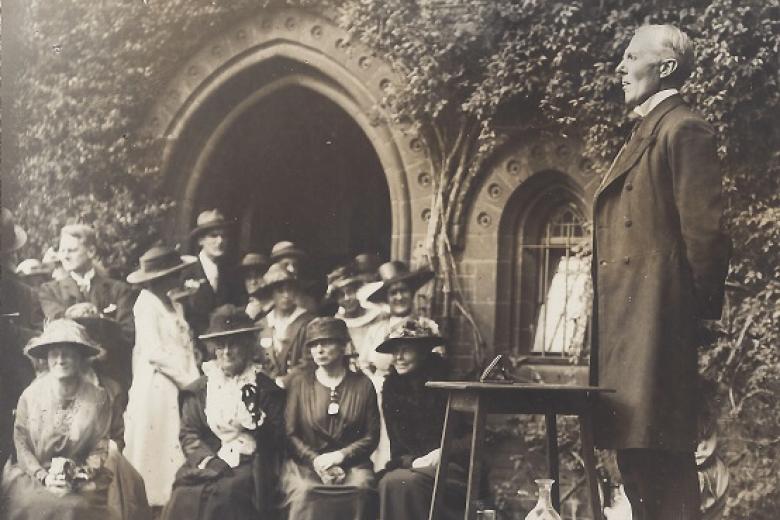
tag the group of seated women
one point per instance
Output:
(251, 448)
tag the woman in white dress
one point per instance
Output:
(163, 363)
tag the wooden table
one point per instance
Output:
(481, 399)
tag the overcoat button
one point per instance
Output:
(603, 263)
(628, 222)
(629, 186)
(626, 260)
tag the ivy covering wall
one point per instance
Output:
(477, 73)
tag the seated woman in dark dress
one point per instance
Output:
(415, 416)
(232, 430)
(332, 426)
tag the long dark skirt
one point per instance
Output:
(198, 495)
(405, 494)
(309, 499)
(26, 499)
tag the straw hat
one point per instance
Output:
(394, 272)
(159, 261)
(32, 267)
(415, 332)
(286, 249)
(62, 332)
(208, 220)
(13, 236)
(276, 275)
(326, 327)
(228, 320)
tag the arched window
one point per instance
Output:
(544, 286)
(558, 322)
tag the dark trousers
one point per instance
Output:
(661, 485)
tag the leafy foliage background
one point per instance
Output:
(477, 74)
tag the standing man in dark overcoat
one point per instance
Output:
(660, 262)
(216, 280)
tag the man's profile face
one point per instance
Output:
(214, 243)
(74, 255)
(639, 69)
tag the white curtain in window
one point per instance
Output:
(564, 314)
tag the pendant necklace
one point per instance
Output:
(333, 404)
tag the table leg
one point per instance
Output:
(552, 459)
(441, 470)
(589, 459)
(475, 461)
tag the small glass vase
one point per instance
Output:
(544, 509)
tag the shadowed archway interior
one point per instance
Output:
(295, 166)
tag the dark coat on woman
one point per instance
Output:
(414, 414)
(660, 259)
(198, 441)
(354, 430)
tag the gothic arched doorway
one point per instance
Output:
(296, 167)
(281, 101)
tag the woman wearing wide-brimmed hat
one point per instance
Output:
(398, 287)
(414, 416)
(163, 363)
(61, 435)
(282, 348)
(344, 285)
(232, 430)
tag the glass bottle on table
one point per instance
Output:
(544, 509)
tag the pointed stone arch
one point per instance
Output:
(277, 49)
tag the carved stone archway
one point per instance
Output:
(277, 49)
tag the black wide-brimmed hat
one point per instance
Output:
(286, 249)
(415, 332)
(62, 332)
(394, 272)
(229, 320)
(159, 261)
(327, 327)
(208, 220)
(13, 236)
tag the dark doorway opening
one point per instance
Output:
(297, 167)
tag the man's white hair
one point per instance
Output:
(672, 39)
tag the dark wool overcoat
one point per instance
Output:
(660, 259)
(198, 441)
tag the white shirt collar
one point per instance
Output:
(84, 281)
(653, 101)
(210, 269)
